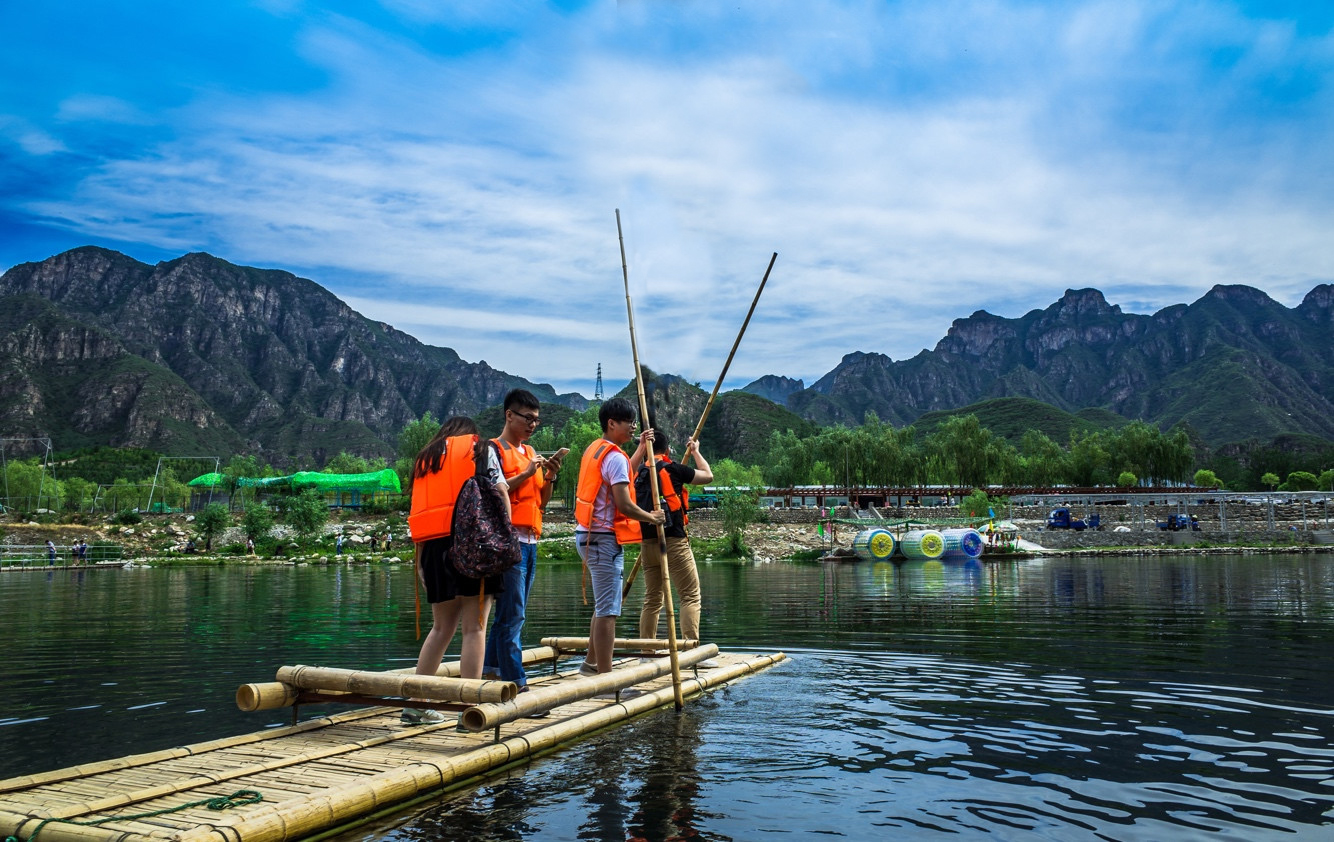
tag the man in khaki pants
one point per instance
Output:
(673, 477)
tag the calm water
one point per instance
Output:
(1155, 699)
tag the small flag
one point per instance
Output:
(991, 513)
(819, 529)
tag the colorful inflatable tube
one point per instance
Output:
(922, 544)
(962, 543)
(874, 545)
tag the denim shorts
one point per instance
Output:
(606, 567)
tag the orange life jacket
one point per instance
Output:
(433, 495)
(526, 500)
(590, 483)
(675, 502)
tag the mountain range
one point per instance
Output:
(200, 356)
(1233, 366)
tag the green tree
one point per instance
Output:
(1207, 479)
(962, 448)
(1127, 480)
(306, 513)
(977, 504)
(1087, 461)
(1270, 479)
(347, 463)
(416, 435)
(789, 460)
(210, 522)
(77, 494)
(1327, 480)
(727, 473)
(28, 486)
(257, 522)
(1044, 462)
(739, 509)
(1302, 481)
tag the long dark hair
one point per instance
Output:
(433, 454)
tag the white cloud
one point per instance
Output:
(483, 187)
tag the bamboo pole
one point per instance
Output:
(620, 644)
(482, 717)
(652, 480)
(429, 687)
(699, 428)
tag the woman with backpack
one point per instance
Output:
(439, 472)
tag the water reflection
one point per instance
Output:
(1156, 698)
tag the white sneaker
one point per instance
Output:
(417, 716)
(708, 664)
(587, 669)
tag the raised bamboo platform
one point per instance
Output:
(331, 772)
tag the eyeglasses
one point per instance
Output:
(533, 420)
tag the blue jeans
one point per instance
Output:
(504, 652)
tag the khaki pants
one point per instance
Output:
(685, 588)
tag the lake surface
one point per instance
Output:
(1159, 698)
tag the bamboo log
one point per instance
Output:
(621, 644)
(433, 688)
(268, 695)
(271, 695)
(482, 717)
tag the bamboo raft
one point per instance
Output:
(335, 771)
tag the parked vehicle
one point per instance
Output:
(1180, 523)
(1062, 519)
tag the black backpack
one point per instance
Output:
(485, 542)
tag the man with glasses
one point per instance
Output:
(607, 518)
(528, 479)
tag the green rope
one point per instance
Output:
(240, 798)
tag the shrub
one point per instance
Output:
(127, 517)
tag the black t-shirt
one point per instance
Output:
(681, 476)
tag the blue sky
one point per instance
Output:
(453, 168)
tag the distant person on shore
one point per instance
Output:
(606, 519)
(338, 544)
(50, 553)
(388, 540)
(438, 473)
(374, 540)
(528, 479)
(250, 546)
(673, 477)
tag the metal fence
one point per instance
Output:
(39, 555)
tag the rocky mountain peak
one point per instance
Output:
(774, 388)
(1318, 305)
(1082, 304)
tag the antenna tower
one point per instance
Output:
(597, 390)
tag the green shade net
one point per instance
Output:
(372, 481)
(210, 480)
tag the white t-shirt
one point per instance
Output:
(525, 533)
(615, 469)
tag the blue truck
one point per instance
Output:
(1180, 523)
(1062, 519)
